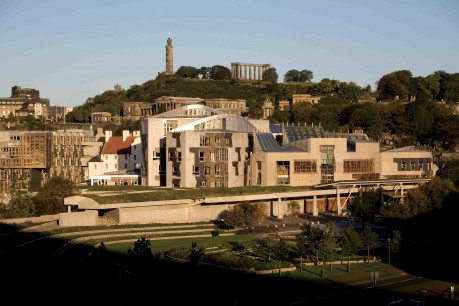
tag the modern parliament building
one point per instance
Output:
(196, 146)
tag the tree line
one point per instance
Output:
(48, 200)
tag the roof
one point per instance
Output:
(95, 159)
(275, 128)
(116, 145)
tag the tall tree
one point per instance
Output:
(395, 243)
(270, 75)
(350, 242)
(369, 238)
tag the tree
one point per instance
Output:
(350, 242)
(328, 245)
(369, 238)
(395, 242)
(298, 76)
(293, 207)
(220, 73)
(267, 244)
(20, 205)
(291, 76)
(450, 171)
(365, 205)
(245, 213)
(270, 75)
(50, 198)
(197, 251)
(188, 72)
(142, 248)
(280, 250)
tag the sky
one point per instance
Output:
(71, 50)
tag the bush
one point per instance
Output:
(215, 233)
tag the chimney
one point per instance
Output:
(108, 134)
(125, 135)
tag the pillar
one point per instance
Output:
(250, 72)
(338, 201)
(315, 211)
(279, 214)
(260, 76)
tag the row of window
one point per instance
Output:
(218, 170)
(221, 154)
(206, 141)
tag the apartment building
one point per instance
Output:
(119, 161)
(197, 146)
(23, 102)
(30, 158)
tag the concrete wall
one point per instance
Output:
(47, 218)
(85, 218)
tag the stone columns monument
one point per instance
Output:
(242, 71)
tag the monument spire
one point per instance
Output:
(169, 55)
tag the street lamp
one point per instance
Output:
(388, 244)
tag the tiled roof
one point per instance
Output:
(116, 145)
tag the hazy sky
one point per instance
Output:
(71, 50)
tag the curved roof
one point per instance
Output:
(190, 111)
(228, 122)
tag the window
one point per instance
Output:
(217, 141)
(125, 166)
(203, 184)
(359, 166)
(217, 170)
(171, 155)
(135, 157)
(304, 166)
(179, 156)
(201, 156)
(195, 170)
(207, 170)
(125, 157)
(327, 155)
(283, 169)
(95, 166)
(174, 170)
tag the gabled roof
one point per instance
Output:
(116, 145)
(95, 159)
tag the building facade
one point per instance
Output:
(23, 102)
(197, 146)
(30, 158)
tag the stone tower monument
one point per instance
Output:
(169, 56)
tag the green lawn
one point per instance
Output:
(127, 194)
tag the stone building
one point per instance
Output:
(30, 158)
(137, 110)
(305, 98)
(23, 102)
(197, 146)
